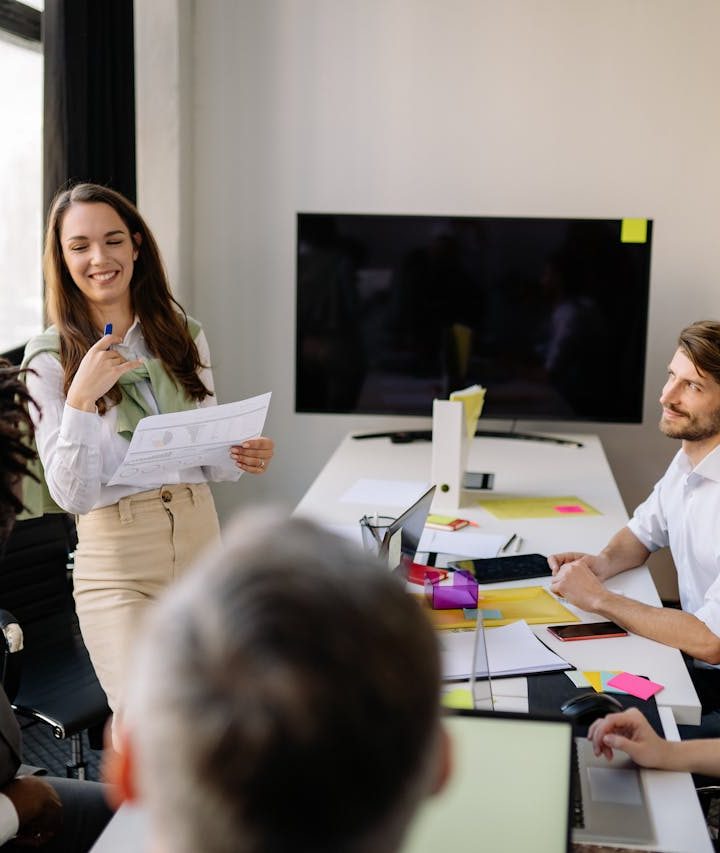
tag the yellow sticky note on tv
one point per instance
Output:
(633, 231)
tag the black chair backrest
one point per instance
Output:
(34, 584)
(14, 356)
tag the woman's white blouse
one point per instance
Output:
(80, 451)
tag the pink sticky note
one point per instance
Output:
(569, 508)
(643, 688)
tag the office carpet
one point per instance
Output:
(41, 749)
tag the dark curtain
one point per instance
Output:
(89, 95)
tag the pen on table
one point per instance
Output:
(507, 545)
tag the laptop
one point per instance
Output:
(401, 540)
(609, 799)
(509, 789)
(609, 804)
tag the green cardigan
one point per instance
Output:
(130, 410)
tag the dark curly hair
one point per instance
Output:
(16, 451)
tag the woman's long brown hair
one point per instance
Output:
(163, 320)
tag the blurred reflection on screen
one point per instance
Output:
(550, 315)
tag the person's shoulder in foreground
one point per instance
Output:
(287, 694)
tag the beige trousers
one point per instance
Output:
(127, 554)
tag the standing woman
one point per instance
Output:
(101, 266)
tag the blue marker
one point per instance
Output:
(108, 329)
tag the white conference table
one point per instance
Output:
(525, 469)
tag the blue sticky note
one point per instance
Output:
(492, 614)
(470, 613)
(605, 676)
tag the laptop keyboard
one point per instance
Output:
(578, 814)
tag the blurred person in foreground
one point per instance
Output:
(287, 691)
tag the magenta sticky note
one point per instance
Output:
(643, 688)
(569, 508)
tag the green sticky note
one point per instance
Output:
(633, 231)
(577, 678)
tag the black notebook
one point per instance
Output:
(548, 691)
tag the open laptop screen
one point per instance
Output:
(509, 788)
(401, 541)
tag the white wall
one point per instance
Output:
(505, 107)
(164, 133)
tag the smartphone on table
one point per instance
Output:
(587, 631)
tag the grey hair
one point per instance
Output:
(286, 697)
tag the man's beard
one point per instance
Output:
(692, 428)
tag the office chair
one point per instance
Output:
(708, 792)
(51, 679)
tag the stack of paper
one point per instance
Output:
(468, 542)
(511, 650)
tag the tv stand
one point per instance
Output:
(408, 436)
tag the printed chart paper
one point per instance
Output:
(163, 444)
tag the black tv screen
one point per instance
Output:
(550, 315)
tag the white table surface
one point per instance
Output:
(526, 469)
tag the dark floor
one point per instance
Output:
(41, 749)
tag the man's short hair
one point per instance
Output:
(286, 698)
(700, 341)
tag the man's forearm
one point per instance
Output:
(624, 551)
(672, 627)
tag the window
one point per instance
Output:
(21, 157)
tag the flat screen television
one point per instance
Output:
(549, 314)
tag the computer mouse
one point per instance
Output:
(587, 707)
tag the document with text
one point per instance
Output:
(163, 444)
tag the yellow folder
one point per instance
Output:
(534, 604)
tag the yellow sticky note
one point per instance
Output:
(472, 399)
(458, 698)
(633, 231)
(564, 506)
(595, 679)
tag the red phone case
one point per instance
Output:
(621, 632)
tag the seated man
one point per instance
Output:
(681, 513)
(58, 815)
(285, 697)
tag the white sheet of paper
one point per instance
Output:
(577, 678)
(511, 649)
(162, 444)
(378, 493)
(468, 542)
